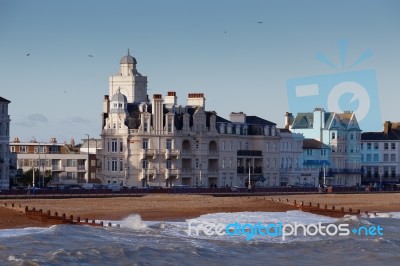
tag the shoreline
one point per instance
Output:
(162, 207)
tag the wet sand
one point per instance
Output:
(180, 207)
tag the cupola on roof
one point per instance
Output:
(128, 59)
(119, 97)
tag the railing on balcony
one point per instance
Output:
(146, 153)
(213, 152)
(344, 171)
(57, 168)
(252, 153)
(212, 171)
(169, 153)
(171, 173)
(186, 171)
(81, 167)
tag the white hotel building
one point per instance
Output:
(159, 142)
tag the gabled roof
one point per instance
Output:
(303, 120)
(4, 100)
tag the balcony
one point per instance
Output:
(57, 168)
(249, 153)
(344, 171)
(213, 152)
(187, 171)
(172, 153)
(81, 168)
(148, 153)
(147, 173)
(171, 173)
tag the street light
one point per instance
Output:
(88, 159)
(201, 183)
(249, 186)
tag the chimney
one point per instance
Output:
(238, 117)
(196, 99)
(288, 119)
(157, 112)
(387, 127)
(170, 99)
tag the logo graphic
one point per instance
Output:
(354, 91)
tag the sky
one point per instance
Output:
(241, 54)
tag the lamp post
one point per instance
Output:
(88, 159)
(249, 186)
(201, 183)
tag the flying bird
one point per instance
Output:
(259, 22)
(90, 55)
(28, 54)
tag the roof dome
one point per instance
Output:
(128, 59)
(119, 97)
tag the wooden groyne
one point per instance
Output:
(53, 218)
(331, 211)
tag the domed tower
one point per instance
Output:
(118, 112)
(129, 81)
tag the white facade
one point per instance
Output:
(340, 132)
(381, 155)
(56, 160)
(4, 144)
(156, 142)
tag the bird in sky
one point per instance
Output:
(259, 22)
(28, 54)
(90, 55)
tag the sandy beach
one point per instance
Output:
(179, 207)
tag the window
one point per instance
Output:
(12, 148)
(368, 146)
(368, 157)
(376, 146)
(168, 164)
(223, 163)
(23, 149)
(71, 163)
(169, 127)
(114, 165)
(145, 164)
(376, 157)
(121, 146)
(230, 163)
(393, 146)
(145, 144)
(392, 157)
(333, 135)
(121, 165)
(168, 144)
(386, 146)
(309, 151)
(146, 127)
(114, 145)
(386, 157)
(351, 136)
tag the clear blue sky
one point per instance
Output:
(215, 47)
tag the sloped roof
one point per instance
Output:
(391, 135)
(314, 144)
(255, 120)
(4, 100)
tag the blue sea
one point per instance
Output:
(137, 242)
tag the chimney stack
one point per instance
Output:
(387, 127)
